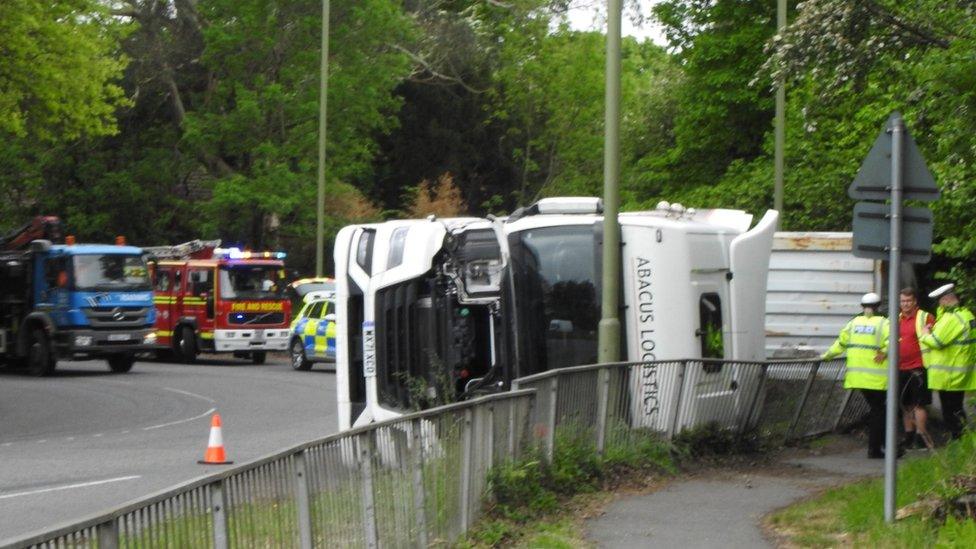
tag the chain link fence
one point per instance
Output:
(421, 479)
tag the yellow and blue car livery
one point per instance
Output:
(313, 334)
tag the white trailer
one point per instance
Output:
(815, 287)
(431, 307)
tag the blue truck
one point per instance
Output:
(71, 301)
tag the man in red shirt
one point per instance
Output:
(913, 387)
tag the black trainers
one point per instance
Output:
(875, 455)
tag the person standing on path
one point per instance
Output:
(913, 387)
(949, 349)
(865, 339)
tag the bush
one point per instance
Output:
(714, 440)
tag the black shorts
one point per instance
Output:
(913, 388)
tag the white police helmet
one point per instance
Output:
(870, 299)
(942, 290)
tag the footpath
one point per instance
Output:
(724, 507)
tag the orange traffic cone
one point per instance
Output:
(215, 448)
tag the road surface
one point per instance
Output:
(85, 440)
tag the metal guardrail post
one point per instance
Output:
(490, 438)
(843, 408)
(108, 534)
(302, 500)
(512, 425)
(419, 492)
(551, 418)
(760, 387)
(218, 502)
(602, 401)
(366, 451)
(677, 401)
(803, 402)
(467, 440)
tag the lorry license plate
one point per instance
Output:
(118, 337)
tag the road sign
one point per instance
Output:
(873, 180)
(872, 232)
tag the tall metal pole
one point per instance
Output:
(323, 103)
(780, 127)
(894, 266)
(609, 334)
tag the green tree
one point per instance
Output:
(58, 69)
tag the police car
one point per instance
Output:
(313, 331)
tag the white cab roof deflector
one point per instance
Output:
(749, 252)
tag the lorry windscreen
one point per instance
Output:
(110, 272)
(554, 271)
(250, 282)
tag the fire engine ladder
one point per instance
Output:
(194, 248)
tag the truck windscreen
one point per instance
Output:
(110, 272)
(557, 296)
(251, 282)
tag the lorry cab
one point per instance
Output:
(464, 305)
(232, 302)
(76, 301)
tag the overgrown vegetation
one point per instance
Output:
(928, 489)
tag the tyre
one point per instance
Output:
(186, 346)
(258, 357)
(40, 356)
(298, 359)
(121, 363)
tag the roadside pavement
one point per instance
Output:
(723, 507)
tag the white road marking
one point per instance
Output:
(205, 414)
(188, 393)
(68, 487)
(8, 443)
(96, 435)
(42, 441)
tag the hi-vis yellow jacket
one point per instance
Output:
(950, 350)
(862, 338)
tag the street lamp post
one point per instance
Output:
(609, 332)
(323, 100)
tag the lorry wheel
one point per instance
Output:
(258, 357)
(186, 346)
(40, 357)
(121, 363)
(298, 360)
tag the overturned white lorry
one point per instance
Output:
(431, 310)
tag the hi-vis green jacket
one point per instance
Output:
(950, 350)
(862, 338)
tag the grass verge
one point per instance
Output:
(851, 515)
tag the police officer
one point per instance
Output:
(865, 339)
(949, 349)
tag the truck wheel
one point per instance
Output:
(258, 357)
(186, 346)
(40, 358)
(121, 363)
(298, 360)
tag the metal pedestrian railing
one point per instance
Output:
(421, 479)
(781, 401)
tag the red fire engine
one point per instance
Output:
(223, 300)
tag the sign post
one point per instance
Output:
(893, 170)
